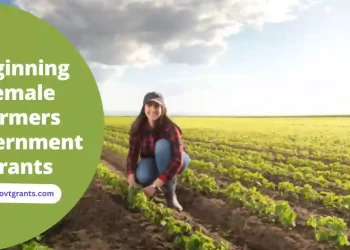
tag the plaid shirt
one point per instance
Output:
(143, 145)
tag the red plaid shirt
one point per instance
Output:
(143, 145)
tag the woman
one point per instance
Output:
(157, 140)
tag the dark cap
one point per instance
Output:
(153, 97)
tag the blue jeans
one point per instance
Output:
(149, 169)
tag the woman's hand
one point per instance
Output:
(131, 180)
(150, 190)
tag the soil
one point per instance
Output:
(99, 222)
(236, 225)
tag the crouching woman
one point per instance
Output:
(157, 141)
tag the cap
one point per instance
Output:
(155, 97)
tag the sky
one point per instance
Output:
(213, 57)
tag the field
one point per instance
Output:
(253, 183)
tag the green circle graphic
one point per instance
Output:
(52, 122)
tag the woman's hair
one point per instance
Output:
(160, 124)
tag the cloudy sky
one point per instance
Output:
(211, 57)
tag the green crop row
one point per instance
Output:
(305, 192)
(330, 229)
(335, 170)
(182, 232)
(317, 147)
(263, 167)
(250, 198)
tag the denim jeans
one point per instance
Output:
(150, 168)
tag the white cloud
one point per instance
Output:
(146, 32)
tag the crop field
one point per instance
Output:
(253, 183)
